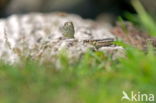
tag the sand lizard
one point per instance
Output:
(100, 42)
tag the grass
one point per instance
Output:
(95, 78)
(143, 18)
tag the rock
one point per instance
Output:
(38, 36)
(114, 52)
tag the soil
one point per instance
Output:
(133, 35)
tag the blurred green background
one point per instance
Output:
(85, 8)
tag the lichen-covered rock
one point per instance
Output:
(39, 36)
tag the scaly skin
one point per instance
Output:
(68, 31)
(100, 42)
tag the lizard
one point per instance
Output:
(69, 31)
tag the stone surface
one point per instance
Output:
(39, 36)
